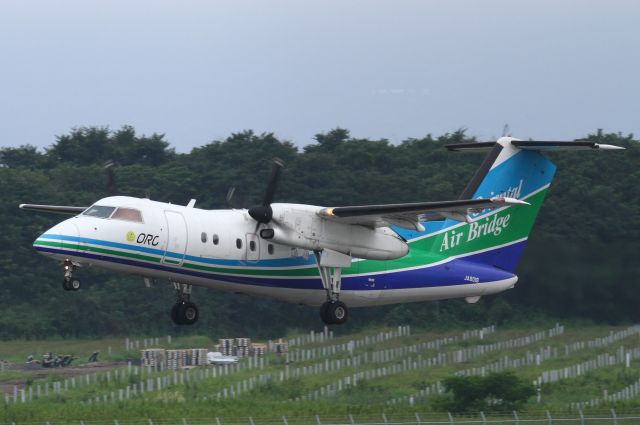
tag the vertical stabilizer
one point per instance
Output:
(497, 237)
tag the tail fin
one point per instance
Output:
(515, 169)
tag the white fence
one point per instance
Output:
(605, 417)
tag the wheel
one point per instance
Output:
(74, 284)
(174, 314)
(323, 313)
(337, 312)
(66, 284)
(187, 313)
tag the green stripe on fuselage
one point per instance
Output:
(93, 248)
(514, 223)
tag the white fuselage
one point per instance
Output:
(221, 249)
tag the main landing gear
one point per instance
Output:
(184, 312)
(330, 263)
(334, 312)
(70, 283)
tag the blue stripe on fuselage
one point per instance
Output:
(455, 272)
(276, 262)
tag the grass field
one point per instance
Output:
(363, 375)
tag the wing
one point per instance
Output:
(409, 216)
(58, 209)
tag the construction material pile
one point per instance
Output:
(240, 347)
(160, 358)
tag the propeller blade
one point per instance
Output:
(111, 178)
(263, 213)
(230, 193)
(278, 164)
(235, 199)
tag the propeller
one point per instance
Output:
(111, 178)
(230, 193)
(234, 200)
(263, 213)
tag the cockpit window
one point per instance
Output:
(128, 214)
(99, 211)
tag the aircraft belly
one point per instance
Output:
(453, 279)
(316, 296)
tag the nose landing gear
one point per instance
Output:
(70, 283)
(184, 312)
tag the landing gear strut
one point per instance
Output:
(184, 312)
(70, 283)
(330, 263)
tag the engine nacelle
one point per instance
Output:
(300, 226)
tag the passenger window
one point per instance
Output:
(99, 211)
(252, 245)
(128, 214)
(270, 248)
(239, 243)
(214, 239)
(203, 237)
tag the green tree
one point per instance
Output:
(579, 262)
(496, 391)
(22, 157)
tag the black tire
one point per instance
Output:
(188, 313)
(337, 312)
(323, 313)
(66, 284)
(74, 284)
(175, 316)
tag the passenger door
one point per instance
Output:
(176, 238)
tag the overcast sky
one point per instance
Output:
(200, 70)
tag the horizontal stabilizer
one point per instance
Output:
(57, 209)
(471, 147)
(577, 145)
(532, 145)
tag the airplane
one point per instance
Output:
(330, 257)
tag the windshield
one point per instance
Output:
(128, 214)
(99, 211)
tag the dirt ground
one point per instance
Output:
(38, 373)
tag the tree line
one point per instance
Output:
(579, 263)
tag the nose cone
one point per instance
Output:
(62, 239)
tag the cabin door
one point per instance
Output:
(176, 238)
